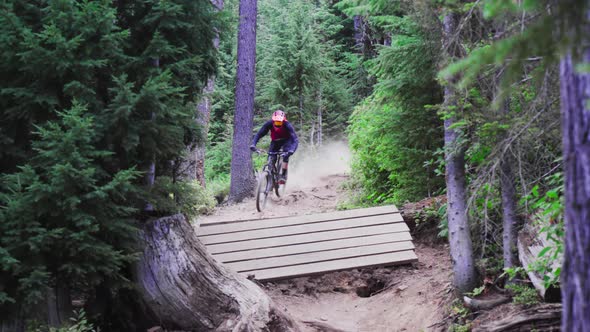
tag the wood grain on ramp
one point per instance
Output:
(296, 246)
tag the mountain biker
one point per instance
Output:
(282, 136)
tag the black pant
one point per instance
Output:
(281, 145)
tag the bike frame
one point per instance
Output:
(268, 179)
(273, 168)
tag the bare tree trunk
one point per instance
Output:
(361, 38)
(509, 216)
(193, 166)
(13, 324)
(55, 310)
(320, 121)
(300, 105)
(387, 39)
(465, 276)
(510, 220)
(575, 111)
(312, 133)
(186, 289)
(242, 176)
(204, 112)
(59, 305)
(149, 166)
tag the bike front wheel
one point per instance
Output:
(280, 189)
(262, 190)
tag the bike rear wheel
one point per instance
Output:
(262, 190)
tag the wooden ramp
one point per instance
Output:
(289, 247)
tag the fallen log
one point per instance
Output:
(187, 289)
(476, 304)
(530, 243)
(544, 317)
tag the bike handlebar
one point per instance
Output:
(259, 151)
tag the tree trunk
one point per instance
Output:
(465, 277)
(312, 134)
(300, 88)
(55, 310)
(361, 39)
(320, 115)
(193, 167)
(13, 324)
(186, 289)
(59, 305)
(509, 216)
(575, 111)
(150, 163)
(242, 176)
(204, 112)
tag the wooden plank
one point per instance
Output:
(320, 256)
(306, 238)
(301, 229)
(312, 247)
(242, 225)
(335, 265)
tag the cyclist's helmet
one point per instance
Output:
(278, 117)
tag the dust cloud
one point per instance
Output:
(308, 166)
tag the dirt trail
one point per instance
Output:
(404, 298)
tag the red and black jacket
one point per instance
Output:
(286, 132)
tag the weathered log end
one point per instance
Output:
(530, 244)
(545, 317)
(187, 289)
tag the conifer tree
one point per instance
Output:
(394, 130)
(100, 53)
(66, 222)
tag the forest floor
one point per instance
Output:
(412, 297)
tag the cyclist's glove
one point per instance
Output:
(253, 148)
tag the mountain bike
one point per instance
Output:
(268, 179)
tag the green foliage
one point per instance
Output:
(523, 294)
(219, 187)
(79, 323)
(302, 70)
(476, 291)
(460, 315)
(64, 219)
(430, 213)
(550, 35)
(550, 219)
(459, 328)
(218, 159)
(393, 131)
(186, 197)
(302, 51)
(443, 226)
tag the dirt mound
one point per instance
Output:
(402, 298)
